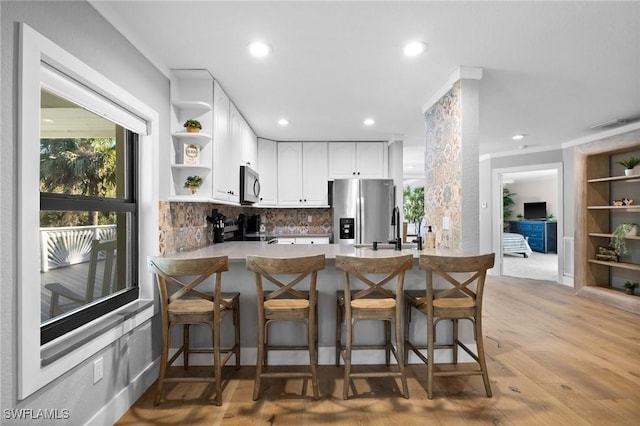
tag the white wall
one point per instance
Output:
(79, 29)
(543, 189)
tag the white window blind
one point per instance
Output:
(65, 87)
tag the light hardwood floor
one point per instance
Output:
(553, 358)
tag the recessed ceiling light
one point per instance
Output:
(47, 120)
(259, 49)
(517, 137)
(414, 48)
(283, 122)
(369, 122)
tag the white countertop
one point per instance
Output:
(239, 250)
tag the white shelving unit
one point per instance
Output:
(191, 98)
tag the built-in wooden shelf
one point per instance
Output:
(621, 265)
(628, 237)
(633, 178)
(632, 207)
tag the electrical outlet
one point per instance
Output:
(446, 223)
(98, 370)
(309, 219)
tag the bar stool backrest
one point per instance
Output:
(271, 269)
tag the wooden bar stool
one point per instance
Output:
(187, 306)
(373, 302)
(286, 303)
(460, 300)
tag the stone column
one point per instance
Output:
(451, 161)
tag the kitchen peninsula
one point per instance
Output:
(238, 278)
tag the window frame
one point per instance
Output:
(85, 340)
(61, 325)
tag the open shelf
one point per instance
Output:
(632, 178)
(621, 265)
(631, 207)
(185, 109)
(628, 237)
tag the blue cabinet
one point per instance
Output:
(542, 236)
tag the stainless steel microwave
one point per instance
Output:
(249, 185)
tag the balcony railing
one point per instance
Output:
(66, 246)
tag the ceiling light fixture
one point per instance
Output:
(259, 49)
(283, 122)
(414, 48)
(369, 122)
(517, 137)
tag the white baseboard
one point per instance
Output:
(120, 403)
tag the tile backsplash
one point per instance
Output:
(183, 225)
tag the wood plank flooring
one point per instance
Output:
(554, 359)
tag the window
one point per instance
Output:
(88, 215)
(131, 191)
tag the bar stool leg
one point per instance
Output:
(217, 361)
(260, 359)
(185, 346)
(430, 353)
(407, 321)
(481, 358)
(236, 324)
(455, 341)
(313, 354)
(400, 357)
(339, 317)
(387, 337)
(347, 358)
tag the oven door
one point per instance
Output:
(249, 185)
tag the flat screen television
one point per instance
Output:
(535, 211)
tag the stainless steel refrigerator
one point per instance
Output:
(362, 210)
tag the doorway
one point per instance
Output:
(534, 185)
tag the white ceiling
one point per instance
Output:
(552, 70)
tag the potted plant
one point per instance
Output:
(629, 164)
(618, 235)
(507, 205)
(193, 183)
(550, 216)
(192, 126)
(413, 206)
(631, 287)
(520, 216)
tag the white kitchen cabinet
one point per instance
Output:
(268, 171)
(191, 98)
(364, 160)
(312, 240)
(302, 174)
(289, 173)
(249, 146)
(303, 240)
(226, 171)
(315, 189)
(286, 240)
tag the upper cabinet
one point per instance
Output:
(191, 153)
(363, 160)
(268, 170)
(302, 174)
(249, 146)
(226, 154)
